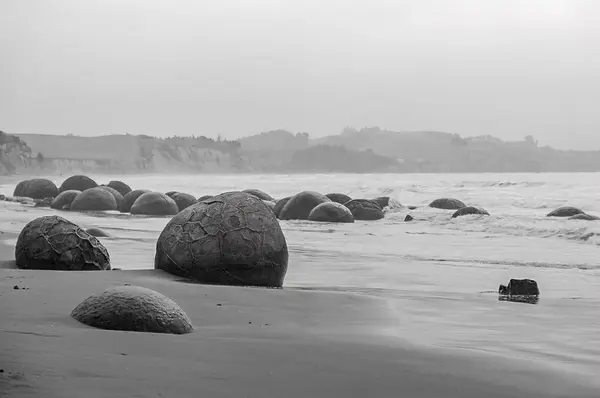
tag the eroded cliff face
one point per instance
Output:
(15, 155)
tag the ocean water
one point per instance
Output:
(439, 276)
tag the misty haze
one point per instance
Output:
(299, 198)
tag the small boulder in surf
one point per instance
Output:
(469, 210)
(565, 211)
(300, 205)
(120, 186)
(520, 287)
(77, 182)
(365, 209)
(154, 204)
(63, 199)
(584, 216)
(331, 212)
(447, 204)
(182, 199)
(279, 205)
(259, 194)
(130, 198)
(339, 197)
(94, 199)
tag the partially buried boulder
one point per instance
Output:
(470, 210)
(183, 200)
(120, 186)
(259, 194)
(77, 182)
(365, 209)
(270, 205)
(447, 204)
(54, 243)
(339, 197)
(130, 198)
(279, 205)
(97, 232)
(565, 211)
(583, 216)
(115, 193)
(94, 199)
(63, 199)
(331, 212)
(299, 206)
(37, 188)
(231, 239)
(154, 204)
(133, 309)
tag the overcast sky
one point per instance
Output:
(507, 68)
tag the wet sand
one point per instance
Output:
(248, 342)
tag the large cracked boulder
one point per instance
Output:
(365, 209)
(130, 198)
(133, 309)
(299, 206)
(331, 212)
(54, 243)
(584, 216)
(64, 199)
(182, 199)
(94, 199)
(447, 204)
(565, 211)
(120, 186)
(259, 194)
(230, 239)
(36, 188)
(154, 204)
(77, 182)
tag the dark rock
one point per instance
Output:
(53, 243)
(201, 198)
(339, 197)
(78, 183)
(46, 202)
(134, 309)
(408, 218)
(469, 210)
(365, 209)
(115, 193)
(63, 199)
(259, 194)
(583, 216)
(154, 204)
(520, 287)
(279, 205)
(299, 206)
(231, 239)
(183, 200)
(94, 199)
(97, 232)
(331, 212)
(120, 186)
(447, 204)
(270, 205)
(411, 207)
(37, 188)
(130, 198)
(386, 201)
(565, 211)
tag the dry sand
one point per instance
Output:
(247, 342)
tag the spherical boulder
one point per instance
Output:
(339, 197)
(133, 309)
(584, 216)
(565, 211)
(77, 182)
(63, 199)
(94, 199)
(204, 197)
(331, 212)
(183, 200)
(279, 205)
(120, 186)
(386, 201)
(230, 239)
(53, 243)
(154, 204)
(130, 198)
(470, 210)
(447, 204)
(300, 205)
(97, 232)
(365, 209)
(259, 194)
(115, 193)
(37, 188)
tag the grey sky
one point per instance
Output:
(507, 68)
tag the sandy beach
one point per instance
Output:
(247, 342)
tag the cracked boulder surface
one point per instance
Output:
(365, 209)
(230, 239)
(54, 243)
(134, 309)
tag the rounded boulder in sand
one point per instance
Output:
(120, 186)
(365, 209)
(133, 309)
(386, 201)
(585, 217)
(130, 198)
(117, 195)
(231, 239)
(565, 211)
(470, 210)
(64, 199)
(54, 243)
(447, 204)
(37, 188)
(279, 205)
(182, 199)
(259, 194)
(94, 199)
(331, 212)
(339, 197)
(154, 204)
(78, 183)
(300, 205)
